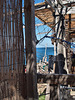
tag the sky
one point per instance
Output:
(40, 29)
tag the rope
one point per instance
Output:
(69, 43)
(53, 26)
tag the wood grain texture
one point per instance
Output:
(11, 50)
(63, 79)
(30, 50)
(46, 16)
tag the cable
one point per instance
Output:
(52, 27)
(69, 43)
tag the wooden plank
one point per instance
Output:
(67, 16)
(30, 50)
(40, 24)
(1, 33)
(45, 15)
(52, 92)
(72, 35)
(40, 5)
(6, 41)
(51, 5)
(65, 2)
(69, 21)
(62, 79)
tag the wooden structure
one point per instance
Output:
(11, 50)
(14, 84)
(30, 50)
(48, 15)
(44, 12)
(60, 16)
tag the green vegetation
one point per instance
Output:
(42, 97)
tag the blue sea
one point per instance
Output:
(40, 52)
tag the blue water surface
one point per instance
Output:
(40, 52)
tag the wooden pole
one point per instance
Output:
(52, 92)
(30, 50)
(55, 47)
(60, 56)
(53, 89)
(65, 56)
(68, 51)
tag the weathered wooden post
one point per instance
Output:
(60, 56)
(69, 61)
(51, 88)
(30, 50)
(65, 56)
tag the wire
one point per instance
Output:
(60, 40)
(69, 43)
(53, 27)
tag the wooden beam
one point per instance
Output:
(40, 24)
(72, 35)
(45, 15)
(42, 5)
(72, 2)
(51, 5)
(52, 91)
(69, 21)
(30, 50)
(41, 33)
(62, 79)
(66, 2)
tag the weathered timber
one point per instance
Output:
(52, 92)
(40, 24)
(51, 5)
(45, 15)
(62, 79)
(59, 68)
(72, 35)
(40, 5)
(11, 55)
(30, 50)
(60, 56)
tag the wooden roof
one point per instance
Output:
(46, 16)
